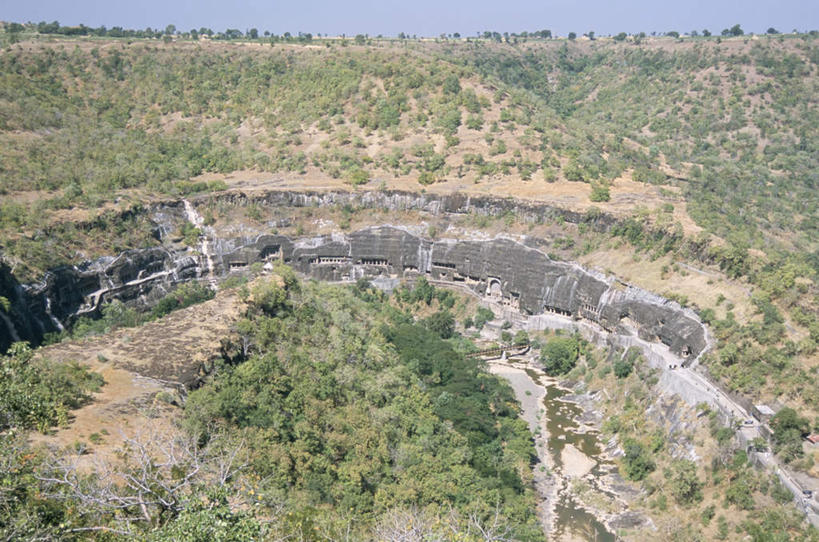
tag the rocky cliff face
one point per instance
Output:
(522, 277)
(137, 277)
(435, 204)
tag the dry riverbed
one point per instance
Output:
(582, 495)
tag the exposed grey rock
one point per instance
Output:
(514, 274)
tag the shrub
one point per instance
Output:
(184, 296)
(624, 366)
(600, 192)
(636, 462)
(482, 316)
(39, 393)
(685, 485)
(358, 176)
(560, 355)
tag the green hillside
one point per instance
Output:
(348, 418)
(702, 152)
(723, 132)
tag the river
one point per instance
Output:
(567, 452)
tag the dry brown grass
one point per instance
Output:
(701, 286)
(140, 366)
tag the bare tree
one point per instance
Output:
(495, 531)
(414, 525)
(152, 480)
(408, 525)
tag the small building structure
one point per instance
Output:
(763, 413)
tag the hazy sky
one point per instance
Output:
(425, 17)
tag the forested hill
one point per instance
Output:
(347, 419)
(705, 149)
(729, 125)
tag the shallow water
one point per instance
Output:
(572, 522)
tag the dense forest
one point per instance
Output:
(346, 419)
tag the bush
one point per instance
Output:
(358, 177)
(184, 296)
(685, 485)
(482, 316)
(636, 462)
(600, 192)
(624, 366)
(560, 355)
(39, 393)
(740, 492)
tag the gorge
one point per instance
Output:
(512, 275)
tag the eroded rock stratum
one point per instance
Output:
(511, 272)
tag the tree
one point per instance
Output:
(360, 39)
(636, 462)
(706, 32)
(685, 485)
(736, 30)
(622, 368)
(789, 429)
(253, 33)
(483, 315)
(38, 393)
(211, 520)
(572, 35)
(14, 28)
(620, 37)
(673, 34)
(153, 481)
(452, 86)
(441, 323)
(560, 355)
(170, 30)
(269, 296)
(48, 28)
(772, 30)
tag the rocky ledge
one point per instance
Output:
(504, 270)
